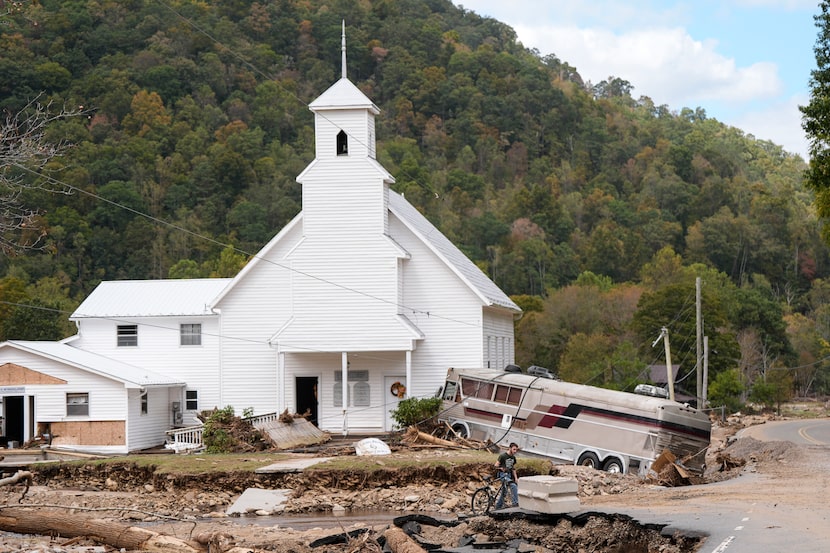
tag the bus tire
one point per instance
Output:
(461, 430)
(613, 465)
(588, 459)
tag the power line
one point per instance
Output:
(416, 311)
(176, 329)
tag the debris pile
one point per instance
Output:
(415, 438)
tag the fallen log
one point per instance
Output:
(17, 477)
(52, 522)
(57, 523)
(415, 435)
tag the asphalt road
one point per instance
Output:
(756, 512)
(802, 432)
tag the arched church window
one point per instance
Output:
(342, 144)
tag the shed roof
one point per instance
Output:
(130, 375)
(151, 298)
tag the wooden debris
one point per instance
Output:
(667, 471)
(417, 438)
(413, 435)
(23, 475)
(289, 435)
(51, 522)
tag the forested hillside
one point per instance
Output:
(594, 208)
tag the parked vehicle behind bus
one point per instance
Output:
(585, 425)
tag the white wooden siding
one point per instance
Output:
(252, 312)
(107, 398)
(356, 124)
(443, 308)
(159, 349)
(498, 339)
(369, 418)
(145, 431)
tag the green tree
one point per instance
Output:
(816, 118)
(726, 390)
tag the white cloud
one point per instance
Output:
(779, 123)
(667, 65)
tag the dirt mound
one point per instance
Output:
(752, 450)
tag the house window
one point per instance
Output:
(191, 334)
(127, 335)
(191, 400)
(359, 389)
(361, 394)
(144, 403)
(77, 405)
(342, 144)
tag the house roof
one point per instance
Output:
(658, 373)
(130, 375)
(449, 253)
(151, 298)
(343, 95)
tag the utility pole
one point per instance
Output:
(702, 405)
(699, 340)
(664, 334)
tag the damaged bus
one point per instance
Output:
(574, 423)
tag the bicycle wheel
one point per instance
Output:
(481, 502)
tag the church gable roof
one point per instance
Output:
(343, 95)
(451, 255)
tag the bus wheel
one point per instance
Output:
(461, 430)
(613, 465)
(588, 459)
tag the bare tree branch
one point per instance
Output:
(25, 153)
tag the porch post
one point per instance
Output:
(408, 373)
(344, 369)
(281, 403)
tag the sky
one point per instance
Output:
(747, 63)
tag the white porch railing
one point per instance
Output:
(190, 437)
(184, 439)
(259, 420)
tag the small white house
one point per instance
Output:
(355, 304)
(81, 400)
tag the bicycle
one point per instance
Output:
(485, 497)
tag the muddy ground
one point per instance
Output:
(185, 507)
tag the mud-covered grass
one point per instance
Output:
(200, 463)
(375, 469)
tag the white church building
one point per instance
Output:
(355, 304)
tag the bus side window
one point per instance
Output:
(508, 394)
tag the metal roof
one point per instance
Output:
(343, 95)
(151, 298)
(452, 256)
(130, 375)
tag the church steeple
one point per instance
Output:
(344, 118)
